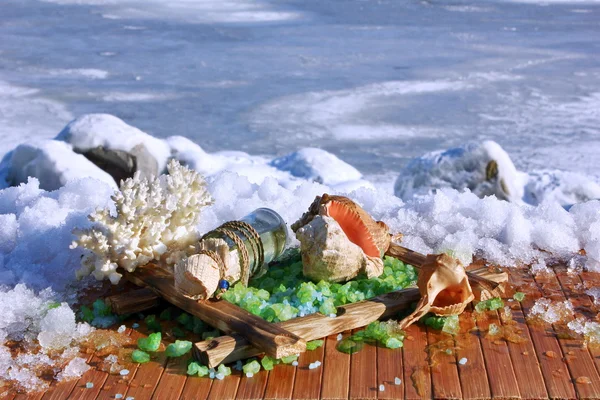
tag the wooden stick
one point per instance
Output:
(270, 338)
(225, 349)
(417, 259)
(133, 301)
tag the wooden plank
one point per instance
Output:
(307, 384)
(336, 370)
(592, 280)
(444, 373)
(235, 347)
(524, 359)
(389, 367)
(501, 375)
(554, 369)
(133, 301)
(143, 384)
(363, 373)
(227, 388)
(30, 396)
(281, 382)
(417, 374)
(95, 376)
(63, 389)
(7, 396)
(227, 317)
(253, 388)
(473, 378)
(115, 383)
(581, 365)
(196, 388)
(172, 380)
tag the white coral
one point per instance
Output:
(153, 218)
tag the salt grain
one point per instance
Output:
(397, 381)
(121, 329)
(462, 361)
(249, 374)
(124, 372)
(332, 315)
(339, 337)
(89, 385)
(118, 396)
(381, 388)
(130, 398)
(135, 325)
(220, 376)
(295, 363)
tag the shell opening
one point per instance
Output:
(353, 227)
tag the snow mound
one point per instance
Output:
(52, 162)
(317, 165)
(93, 130)
(563, 187)
(483, 168)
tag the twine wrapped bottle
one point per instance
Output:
(233, 252)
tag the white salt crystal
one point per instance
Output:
(220, 376)
(381, 388)
(332, 315)
(318, 363)
(295, 363)
(339, 337)
(89, 385)
(124, 372)
(118, 396)
(135, 325)
(122, 329)
(312, 366)
(130, 398)
(112, 358)
(249, 374)
(397, 381)
(462, 361)
(74, 369)
(211, 375)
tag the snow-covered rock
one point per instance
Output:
(317, 165)
(563, 187)
(483, 168)
(94, 130)
(52, 162)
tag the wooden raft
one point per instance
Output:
(543, 366)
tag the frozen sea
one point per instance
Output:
(375, 82)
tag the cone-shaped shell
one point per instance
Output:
(444, 288)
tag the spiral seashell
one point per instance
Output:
(444, 288)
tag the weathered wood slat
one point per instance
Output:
(281, 382)
(95, 376)
(62, 390)
(473, 379)
(146, 378)
(270, 338)
(196, 388)
(115, 384)
(417, 374)
(524, 360)
(227, 388)
(253, 388)
(336, 370)
(501, 375)
(592, 280)
(172, 380)
(389, 367)
(555, 371)
(226, 349)
(132, 301)
(581, 364)
(307, 384)
(444, 373)
(363, 373)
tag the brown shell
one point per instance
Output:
(444, 288)
(360, 228)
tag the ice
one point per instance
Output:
(552, 311)
(317, 165)
(58, 328)
(52, 162)
(74, 369)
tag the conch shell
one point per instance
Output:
(338, 239)
(444, 288)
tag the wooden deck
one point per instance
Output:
(545, 364)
